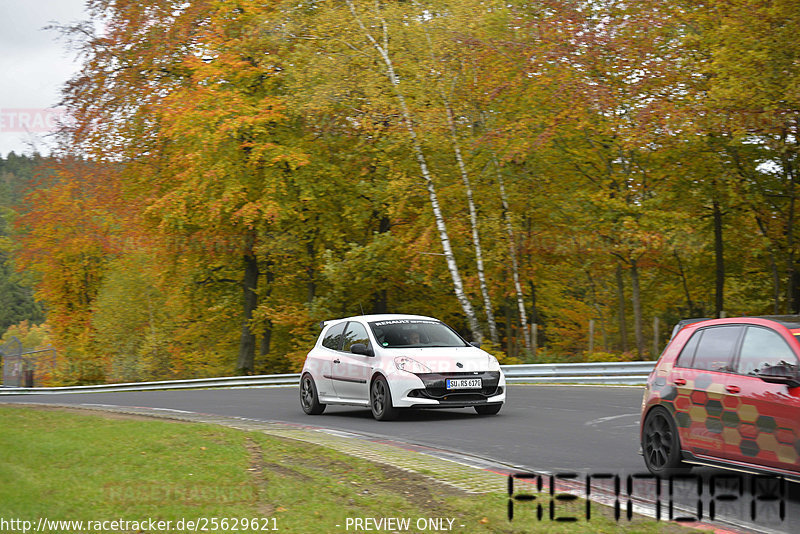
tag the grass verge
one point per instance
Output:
(62, 465)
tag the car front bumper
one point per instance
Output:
(429, 390)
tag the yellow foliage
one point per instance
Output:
(32, 336)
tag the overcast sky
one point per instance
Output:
(34, 64)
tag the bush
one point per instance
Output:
(598, 356)
(498, 353)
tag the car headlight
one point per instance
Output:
(410, 365)
(493, 363)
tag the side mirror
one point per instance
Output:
(360, 348)
(476, 344)
(780, 374)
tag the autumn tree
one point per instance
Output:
(67, 239)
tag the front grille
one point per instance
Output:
(435, 386)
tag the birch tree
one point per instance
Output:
(438, 71)
(380, 44)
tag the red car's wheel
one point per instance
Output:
(661, 445)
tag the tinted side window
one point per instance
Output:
(333, 339)
(356, 333)
(763, 348)
(715, 350)
(687, 354)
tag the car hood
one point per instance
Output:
(448, 359)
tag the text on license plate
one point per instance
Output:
(464, 383)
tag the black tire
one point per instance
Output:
(309, 399)
(489, 409)
(661, 446)
(380, 400)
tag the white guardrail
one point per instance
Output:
(625, 373)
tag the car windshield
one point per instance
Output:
(410, 333)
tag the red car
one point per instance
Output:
(726, 393)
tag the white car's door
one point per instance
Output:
(321, 360)
(351, 372)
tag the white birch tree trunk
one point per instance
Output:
(458, 287)
(473, 212)
(512, 252)
(473, 219)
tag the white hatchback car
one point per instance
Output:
(387, 362)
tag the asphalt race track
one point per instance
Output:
(542, 429)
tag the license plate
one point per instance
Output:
(464, 383)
